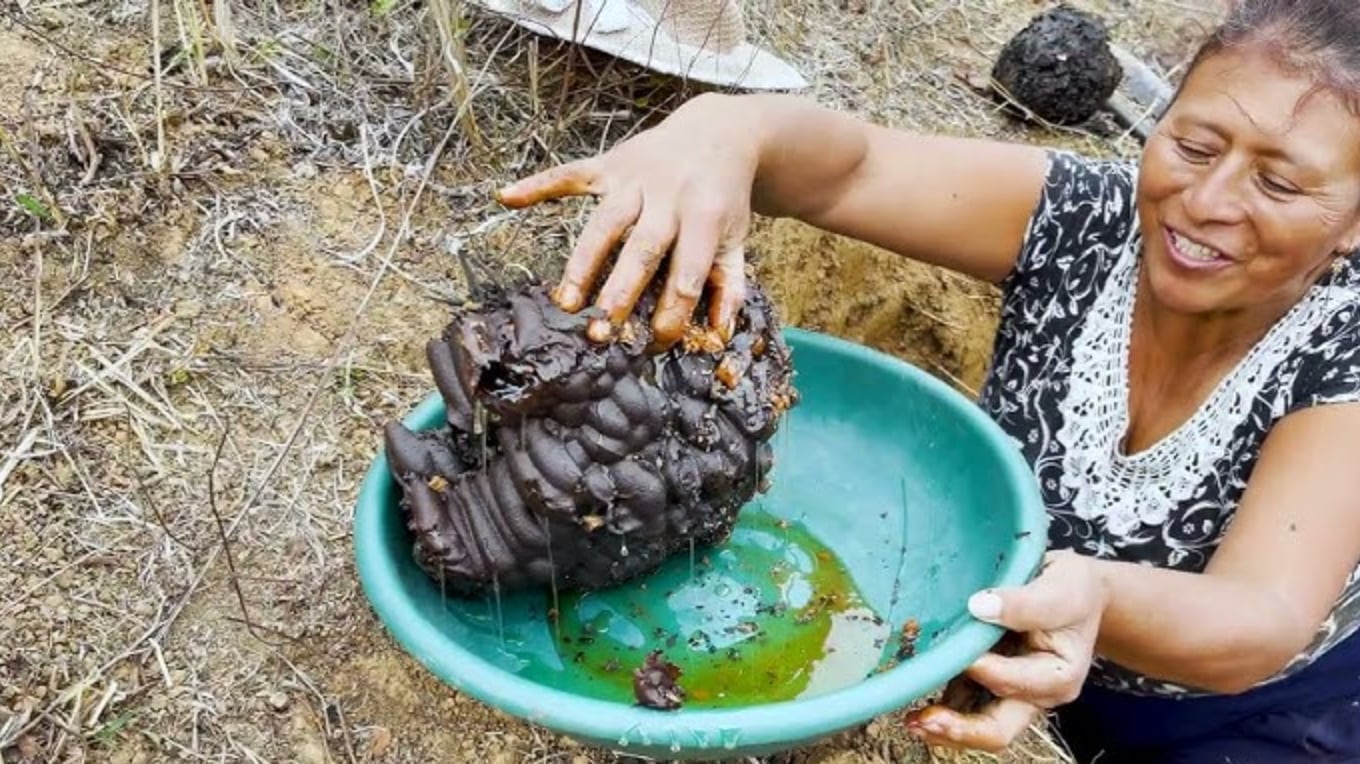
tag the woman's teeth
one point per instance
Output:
(1193, 250)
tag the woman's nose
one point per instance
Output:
(1217, 194)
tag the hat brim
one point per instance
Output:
(744, 66)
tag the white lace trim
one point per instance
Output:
(1129, 492)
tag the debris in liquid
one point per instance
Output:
(737, 633)
(655, 685)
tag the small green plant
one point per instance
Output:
(33, 206)
(108, 732)
(178, 376)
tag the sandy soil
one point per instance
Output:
(218, 289)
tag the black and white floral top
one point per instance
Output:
(1058, 386)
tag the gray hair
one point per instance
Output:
(1317, 38)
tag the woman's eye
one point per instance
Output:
(1277, 186)
(1193, 152)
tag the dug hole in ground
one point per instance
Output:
(220, 273)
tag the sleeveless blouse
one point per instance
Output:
(1058, 383)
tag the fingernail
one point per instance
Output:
(985, 606)
(567, 298)
(599, 330)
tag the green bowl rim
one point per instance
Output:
(769, 724)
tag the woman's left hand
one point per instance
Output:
(1057, 616)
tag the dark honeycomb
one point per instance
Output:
(581, 465)
(1060, 66)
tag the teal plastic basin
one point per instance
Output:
(917, 494)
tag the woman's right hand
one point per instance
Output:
(1058, 616)
(683, 187)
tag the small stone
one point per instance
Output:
(188, 308)
(278, 701)
(503, 757)
(304, 170)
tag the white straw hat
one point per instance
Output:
(701, 40)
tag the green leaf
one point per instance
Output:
(32, 206)
(107, 733)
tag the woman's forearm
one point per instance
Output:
(809, 156)
(1210, 632)
(955, 202)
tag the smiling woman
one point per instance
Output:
(1178, 359)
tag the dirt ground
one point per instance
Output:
(220, 272)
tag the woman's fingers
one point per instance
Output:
(637, 264)
(992, 729)
(707, 251)
(728, 280)
(690, 263)
(570, 179)
(617, 211)
(1043, 678)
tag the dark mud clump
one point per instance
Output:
(578, 464)
(655, 683)
(965, 694)
(1060, 66)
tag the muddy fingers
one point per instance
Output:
(571, 179)
(637, 265)
(728, 282)
(690, 265)
(616, 213)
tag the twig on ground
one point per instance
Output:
(324, 707)
(226, 543)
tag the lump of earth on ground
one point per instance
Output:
(579, 464)
(655, 683)
(1060, 66)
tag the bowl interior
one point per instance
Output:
(892, 500)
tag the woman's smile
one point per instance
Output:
(1194, 256)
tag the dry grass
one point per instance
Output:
(227, 231)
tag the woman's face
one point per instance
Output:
(1248, 188)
